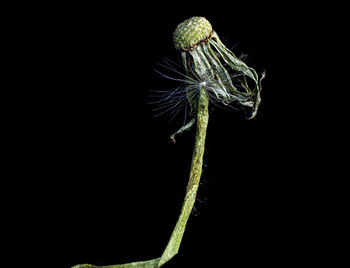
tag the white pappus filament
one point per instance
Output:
(176, 99)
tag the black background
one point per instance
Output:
(106, 184)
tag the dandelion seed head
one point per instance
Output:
(207, 64)
(191, 32)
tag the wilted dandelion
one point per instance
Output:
(207, 59)
(211, 73)
(208, 65)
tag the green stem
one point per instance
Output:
(195, 174)
(192, 186)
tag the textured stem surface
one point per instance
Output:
(195, 174)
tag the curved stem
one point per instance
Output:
(192, 186)
(174, 243)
